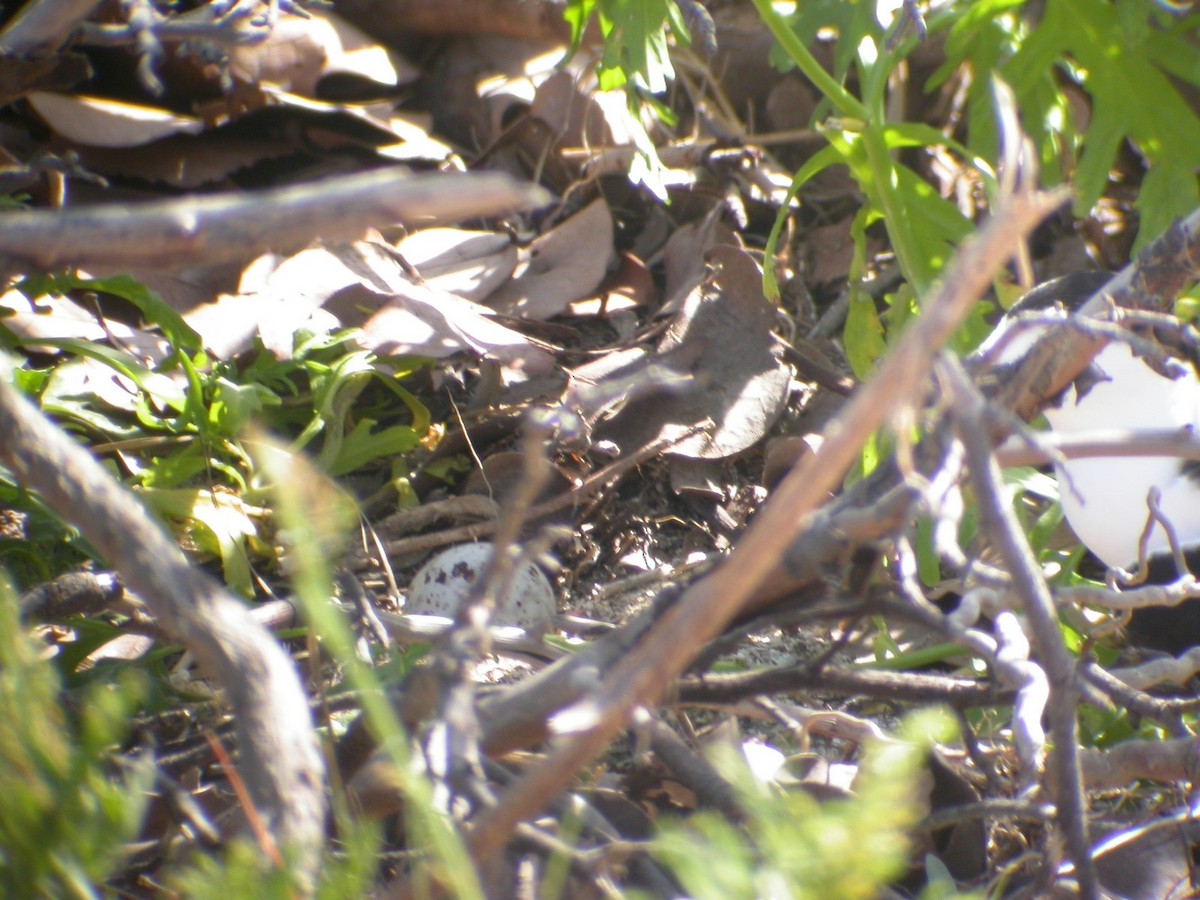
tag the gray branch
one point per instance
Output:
(281, 761)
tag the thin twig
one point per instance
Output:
(596, 481)
(1178, 442)
(1000, 523)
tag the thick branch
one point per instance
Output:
(281, 759)
(223, 227)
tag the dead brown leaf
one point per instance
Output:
(723, 337)
(303, 50)
(565, 264)
(99, 122)
(422, 320)
(471, 264)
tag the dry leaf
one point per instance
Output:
(630, 286)
(580, 114)
(99, 122)
(723, 337)
(275, 299)
(684, 255)
(565, 264)
(351, 285)
(54, 317)
(302, 50)
(185, 162)
(471, 264)
(414, 142)
(421, 320)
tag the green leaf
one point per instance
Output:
(821, 160)
(852, 21)
(1167, 193)
(233, 406)
(635, 44)
(67, 810)
(362, 446)
(156, 312)
(163, 389)
(863, 336)
(929, 570)
(1109, 49)
(218, 522)
(789, 845)
(315, 517)
(577, 14)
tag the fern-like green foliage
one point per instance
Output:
(1131, 57)
(243, 871)
(66, 809)
(635, 39)
(923, 227)
(791, 846)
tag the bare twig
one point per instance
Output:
(1164, 269)
(594, 482)
(1167, 761)
(1143, 597)
(1168, 670)
(693, 770)
(999, 521)
(175, 233)
(894, 687)
(1177, 442)
(1138, 702)
(72, 594)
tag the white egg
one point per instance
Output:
(444, 583)
(1104, 498)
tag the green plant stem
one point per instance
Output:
(893, 208)
(845, 102)
(881, 179)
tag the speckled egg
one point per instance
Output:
(442, 585)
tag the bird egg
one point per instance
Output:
(444, 583)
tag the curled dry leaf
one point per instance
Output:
(565, 264)
(185, 162)
(570, 102)
(479, 84)
(501, 477)
(303, 50)
(471, 264)
(723, 337)
(99, 122)
(424, 321)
